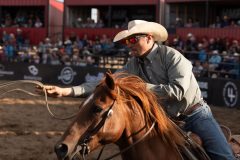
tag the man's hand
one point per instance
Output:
(54, 91)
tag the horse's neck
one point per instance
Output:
(149, 148)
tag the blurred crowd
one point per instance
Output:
(21, 19)
(72, 51)
(210, 57)
(220, 22)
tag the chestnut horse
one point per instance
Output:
(123, 111)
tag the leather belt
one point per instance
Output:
(190, 110)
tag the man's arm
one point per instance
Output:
(179, 72)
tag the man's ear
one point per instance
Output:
(149, 38)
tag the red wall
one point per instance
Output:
(35, 35)
(232, 33)
(23, 2)
(110, 2)
(92, 32)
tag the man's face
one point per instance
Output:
(138, 44)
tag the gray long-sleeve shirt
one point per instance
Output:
(167, 72)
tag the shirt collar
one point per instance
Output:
(150, 55)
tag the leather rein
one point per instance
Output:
(82, 147)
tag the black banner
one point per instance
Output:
(50, 74)
(220, 92)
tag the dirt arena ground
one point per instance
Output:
(28, 132)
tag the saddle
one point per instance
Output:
(233, 140)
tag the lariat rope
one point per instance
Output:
(33, 94)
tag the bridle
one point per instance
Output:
(83, 147)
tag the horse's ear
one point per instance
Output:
(109, 81)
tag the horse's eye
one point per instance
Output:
(97, 109)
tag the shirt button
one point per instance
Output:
(150, 77)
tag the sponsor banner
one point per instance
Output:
(50, 74)
(220, 92)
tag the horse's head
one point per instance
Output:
(97, 122)
(121, 109)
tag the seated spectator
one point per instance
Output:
(178, 44)
(10, 51)
(38, 23)
(235, 47)
(5, 37)
(202, 54)
(8, 21)
(179, 23)
(204, 42)
(191, 43)
(217, 23)
(19, 38)
(214, 60)
(189, 23)
(197, 68)
(225, 21)
(235, 69)
(99, 24)
(212, 44)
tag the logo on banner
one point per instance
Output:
(34, 72)
(3, 72)
(67, 75)
(230, 94)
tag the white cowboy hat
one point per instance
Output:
(158, 32)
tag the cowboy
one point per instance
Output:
(169, 74)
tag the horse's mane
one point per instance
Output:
(134, 90)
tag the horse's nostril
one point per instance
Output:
(61, 150)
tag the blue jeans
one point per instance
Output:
(202, 122)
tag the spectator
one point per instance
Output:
(5, 37)
(214, 60)
(225, 21)
(217, 23)
(9, 50)
(202, 54)
(179, 23)
(38, 23)
(178, 44)
(212, 44)
(235, 47)
(197, 68)
(99, 24)
(191, 44)
(189, 23)
(19, 38)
